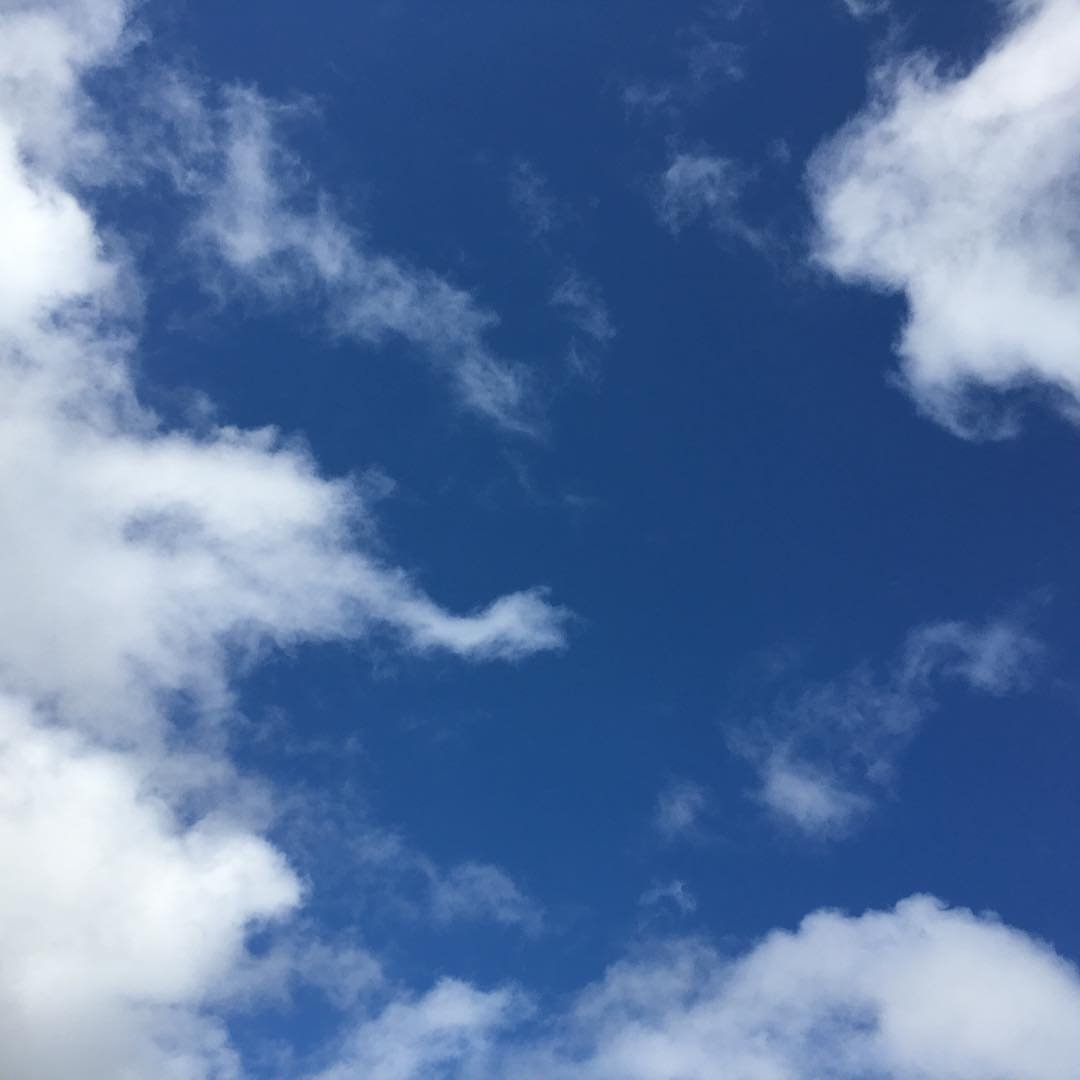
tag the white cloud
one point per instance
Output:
(138, 564)
(958, 191)
(864, 9)
(678, 808)
(919, 991)
(705, 186)
(823, 757)
(467, 892)
(445, 1032)
(254, 221)
(673, 893)
(531, 197)
(195, 546)
(119, 920)
(584, 305)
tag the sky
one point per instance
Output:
(538, 540)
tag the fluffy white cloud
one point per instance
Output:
(119, 919)
(959, 191)
(445, 1032)
(920, 991)
(823, 757)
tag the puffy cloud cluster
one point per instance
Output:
(920, 991)
(958, 190)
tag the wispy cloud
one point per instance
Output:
(672, 894)
(709, 187)
(579, 299)
(958, 191)
(261, 224)
(531, 197)
(584, 305)
(679, 808)
(413, 883)
(865, 9)
(824, 757)
(708, 59)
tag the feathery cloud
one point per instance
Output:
(824, 757)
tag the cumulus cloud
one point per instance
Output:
(445, 1032)
(957, 190)
(918, 991)
(119, 920)
(824, 757)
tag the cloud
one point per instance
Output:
(257, 221)
(140, 565)
(415, 884)
(674, 893)
(918, 991)
(705, 186)
(865, 9)
(708, 58)
(678, 808)
(531, 197)
(120, 919)
(584, 305)
(445, 1032)
(197, 546)
(958, 190)
(824, 757)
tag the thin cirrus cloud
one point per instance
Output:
(412, 883)
(258, 226)
(709, 187)
(137, 562)
(679, 808)
(584, 306)
(959, 192)
(824, 758)
(921, 990)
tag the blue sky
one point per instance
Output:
(539, 540)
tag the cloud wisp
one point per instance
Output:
(825, 757)
(258, 225)
(709, 187)
(958, 191)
